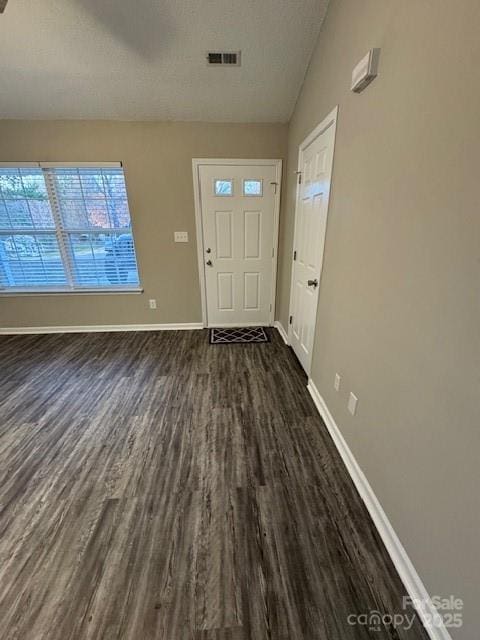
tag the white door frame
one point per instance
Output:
(330, 120)
(196, 164)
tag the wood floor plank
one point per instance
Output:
(156, 487)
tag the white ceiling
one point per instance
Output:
(144, 59)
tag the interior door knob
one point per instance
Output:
(312, 283)
(209, 263)
(208, 250)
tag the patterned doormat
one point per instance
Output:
(243, 335)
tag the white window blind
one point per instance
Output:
(65, 228)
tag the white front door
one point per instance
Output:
(239, 206)
(315, 173)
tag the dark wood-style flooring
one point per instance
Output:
(156, 487)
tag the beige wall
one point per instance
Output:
(399, 310)
(157, 160)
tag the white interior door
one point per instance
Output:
(315, 173)
(239, 212)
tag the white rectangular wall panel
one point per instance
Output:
(225, 291)
(252, 234)
(223, 235)
(251, 291)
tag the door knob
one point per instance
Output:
(209, 263)
(312, 283)
(208, 250)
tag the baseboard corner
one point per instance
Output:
(279, 327)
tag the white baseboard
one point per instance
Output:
(410, 578)
(101, 328)
(279, 327)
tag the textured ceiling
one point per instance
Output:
(144, 59)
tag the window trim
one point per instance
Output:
(59, 232)
(61, 165)
(6, 293)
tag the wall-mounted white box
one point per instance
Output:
(365, 71)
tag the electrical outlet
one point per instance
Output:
(181, 236)
(336, 384)
(153, 304)
(352, 403)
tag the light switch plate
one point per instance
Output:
(352, 403)
(336, 383)
(181, 236)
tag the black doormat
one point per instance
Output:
(242, 335)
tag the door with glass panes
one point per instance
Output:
(239, 208)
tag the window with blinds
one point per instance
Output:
(65, 228)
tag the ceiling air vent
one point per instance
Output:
(227, 58)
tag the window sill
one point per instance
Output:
(67, 292)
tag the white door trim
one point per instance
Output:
(330, 120)
(196, 164)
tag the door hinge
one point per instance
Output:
(273, 252)
(290, 320)
(275, 185)
(270, 307)
(299, 177)
(295, 254)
